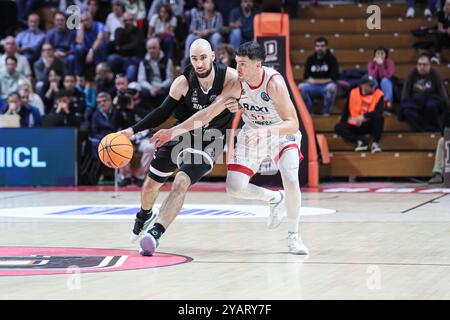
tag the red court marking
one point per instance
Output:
(133, 260)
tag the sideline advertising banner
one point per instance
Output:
(38, 157)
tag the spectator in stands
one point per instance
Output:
(62, 113)
(225, 8)
(176, 5)
(35, 100)
(30, 40)
(432, 5)
(227, 55)
(29, 115)
(46, 62)
(114, 19)
(26, 7)
(94, 10)
(135, 111)
(104, 79)
(121, 84)
(106, 119)
(63, 41)
(129, 47)
(208, 25)
(155, 73)
(77, 98)
(363, 114)
(90, 45)
(51, 89)
(424, 97)
(162, 26)
(439, 160)
(381, 68)
(12, 103)
(443, 32)
(10, 48)
(241, 23)
(137, 9)
(89, 92)
(321, 73)
(9, 79)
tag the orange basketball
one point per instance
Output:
(115, 150)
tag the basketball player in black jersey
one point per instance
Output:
(192, 91)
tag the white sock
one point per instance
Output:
(289, 165)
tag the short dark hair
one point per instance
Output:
(424, 55)
(70, 75)
(14, 93)
(321, 39)
(252, 50)
(63, 93)
(11, 58)
(381, 48)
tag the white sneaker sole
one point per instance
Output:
(148, 245)
(299, 252)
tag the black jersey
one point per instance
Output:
(196, 99)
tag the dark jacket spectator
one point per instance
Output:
(424, 97)
(321, 73)
(129, 47)
(46, 62)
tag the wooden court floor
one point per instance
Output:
(375, 246)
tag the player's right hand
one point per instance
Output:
(232, 105)
(127, 132)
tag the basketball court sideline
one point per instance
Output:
(362, 246)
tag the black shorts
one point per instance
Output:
(193, 156)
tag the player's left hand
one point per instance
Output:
(161, 137)
(232, 105)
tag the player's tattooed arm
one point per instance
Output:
(231, 90)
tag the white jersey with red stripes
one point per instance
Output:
(259, 109)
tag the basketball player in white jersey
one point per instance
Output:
(271, 128)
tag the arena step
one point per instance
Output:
(405, 141)
(348, 25)
(401, 70)
(358, 56)
(388, 10)
(349, 41)
(327, 123)
(382, 164)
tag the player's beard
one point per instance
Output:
(206, 73)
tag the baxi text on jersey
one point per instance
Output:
(248, 107)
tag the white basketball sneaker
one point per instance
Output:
(277, 212)
(148, 244)
(295, 244)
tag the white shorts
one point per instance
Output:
(247, 157)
